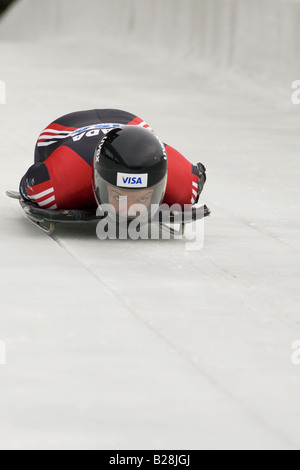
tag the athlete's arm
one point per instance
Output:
(183, 180)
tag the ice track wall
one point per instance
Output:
(255, 37)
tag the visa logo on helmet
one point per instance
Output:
(127, 180)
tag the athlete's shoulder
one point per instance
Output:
(79, 119)
(117, 116)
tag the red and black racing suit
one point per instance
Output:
(61, 177)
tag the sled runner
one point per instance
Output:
(47, 220)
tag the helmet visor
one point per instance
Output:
(128, 203)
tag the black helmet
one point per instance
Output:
(131, 162)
